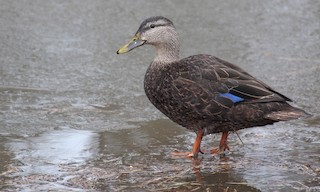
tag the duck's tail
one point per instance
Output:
(287, 114)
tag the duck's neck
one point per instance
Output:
(168, 52)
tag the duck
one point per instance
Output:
(204, 93)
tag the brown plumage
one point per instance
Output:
(204, 93)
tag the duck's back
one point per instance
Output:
(203, 91)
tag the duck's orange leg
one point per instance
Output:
(195, 148)
(223, 144)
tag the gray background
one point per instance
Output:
(74, 115)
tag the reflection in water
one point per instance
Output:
(221, 177)
(39, 159)
(271, 158)
(141, 160)
(44, 153)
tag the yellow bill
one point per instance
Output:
(133, 43)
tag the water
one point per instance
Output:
(74, 116)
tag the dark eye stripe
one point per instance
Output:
(157, 25)
(147, 27)
(152, 25)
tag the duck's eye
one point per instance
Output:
(152, 26)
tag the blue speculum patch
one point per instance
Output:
(233, 98)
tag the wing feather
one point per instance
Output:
(210, 85)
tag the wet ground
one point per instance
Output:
(74, 116)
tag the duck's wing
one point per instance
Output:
(240, 70)
(207, 84)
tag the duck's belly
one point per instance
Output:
(225, 121)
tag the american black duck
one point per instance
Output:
(204, 93)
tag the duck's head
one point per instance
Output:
(159, 32)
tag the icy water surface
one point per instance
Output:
(74, 116)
